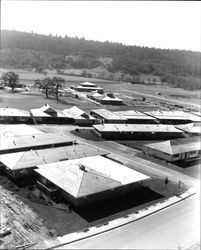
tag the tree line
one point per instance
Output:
(21, 49)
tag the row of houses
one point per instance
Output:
(75, 115)
(47, 114)
(134, 117)
(79, 173)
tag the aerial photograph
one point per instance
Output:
(100, 124)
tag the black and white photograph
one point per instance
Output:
(100, 124)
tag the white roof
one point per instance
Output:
(107, 98)
(68, 175)
(133, 114)
(14, 112)
(190, 128)
(170, 115)
(45, 111)
(19, 129)
(107, 114)
(136, 128)
(88, 84)
(76, 113)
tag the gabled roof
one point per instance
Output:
(89, 175)
(177, 146)
(76, 113)
(136, 128)
(28, 159)
(107, 98)
(107, 114)
(134, 114)
(190, 128)
(14, 112)
(46, 111)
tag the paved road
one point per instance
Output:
(177, 226)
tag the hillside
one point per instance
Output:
(30, 50)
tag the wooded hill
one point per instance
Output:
(30, 50)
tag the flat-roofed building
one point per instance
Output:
(190, 128)
(79, 116)
(21, 164)
(134, 116)
(170, 117)
(136, 131)
(107, 116)
(175, 150)
(13, 115)
(18, 129)
(17, 143)
(47, 114)
(87, 180)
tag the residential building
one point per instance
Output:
(134, 116)
(47, 114)
(106, 116)
(175, 150)
(136, 131)
(87, 180)
(13, 115)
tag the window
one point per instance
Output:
(192, 152)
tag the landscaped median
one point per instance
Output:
(93, 231)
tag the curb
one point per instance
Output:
(102, 230)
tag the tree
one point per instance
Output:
(44, 84)
(10, 79)
(57, 85)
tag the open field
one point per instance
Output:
(127, 91)
(28, 77)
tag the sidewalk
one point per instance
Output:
(114, 224)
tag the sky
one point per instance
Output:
(159, 24)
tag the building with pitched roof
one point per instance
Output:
(47, 114)
(106, 116)
(190, 128)
(87, 180)
(87, 87)
(21, 164)
(13, 115)
(175, 150)
(136, 131)
(79, 116)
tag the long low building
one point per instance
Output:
(18, 143)
(134, 117)
(87, 180)
(107, 116)
(136, 131)
(175, 150)
(171, 117)
(13, 115)
(21, 164)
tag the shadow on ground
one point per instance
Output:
(101, 209)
